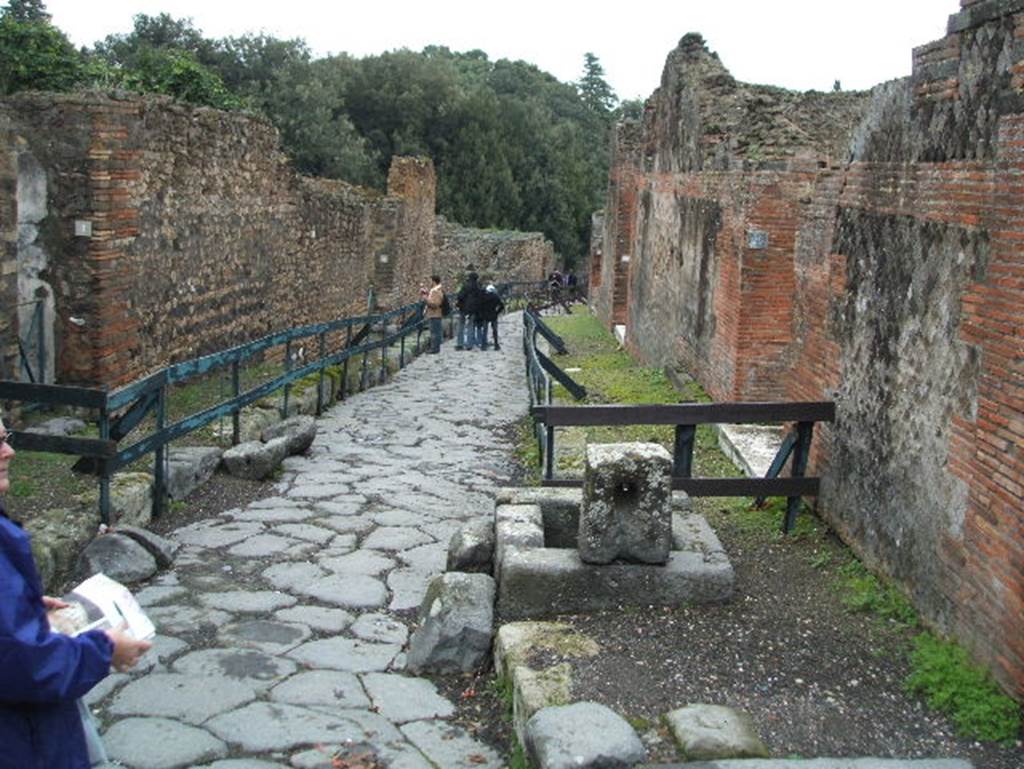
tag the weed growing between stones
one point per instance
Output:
(863, 591)
(951, 683)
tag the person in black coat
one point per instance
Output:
(491, 307)
(467, 301)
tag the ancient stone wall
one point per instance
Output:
(497, 255)
(160, 231)
(863, 248)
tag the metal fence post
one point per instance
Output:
(320, 382)
(236, 413)
(287, 369)
(160, 455)
(801, 452)
(682, 456)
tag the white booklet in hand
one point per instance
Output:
(101, 603)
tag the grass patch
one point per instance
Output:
(951, 683)
(864, 591)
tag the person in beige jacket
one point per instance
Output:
(434, 313)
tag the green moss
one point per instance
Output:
(951, 683)
(863, 591)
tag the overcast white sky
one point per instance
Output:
(798, 44)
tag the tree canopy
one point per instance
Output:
(513, 146)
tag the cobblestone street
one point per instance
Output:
(282, 625)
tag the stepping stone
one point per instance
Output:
(401, 699)
(450, 746)
(265, 635)
(709, 732)
(248, 665)
(322, 687)
(158, 743)
(316, 617)
(261, 601)
(583, 734)
(183, 698)
(263, 726)
(352, 655)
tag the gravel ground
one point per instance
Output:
(817, 679)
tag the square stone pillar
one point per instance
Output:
(626, 512)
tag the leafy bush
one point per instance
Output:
(952, 684)
(35, 55)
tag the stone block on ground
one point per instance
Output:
(471, 548)
(58, 537)
(119, 557)
(254, 461)
(534, 690)
(715, 732)
(456, 619)
(821, 763)
(189, 467)
(131, 499)
(581, 735)
(516, 527)
(516, 642)
(626, 511)
(299, 431)
(58, 426)
(160, 548)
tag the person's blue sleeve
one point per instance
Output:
(37, 665)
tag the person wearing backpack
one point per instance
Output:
(491, 307)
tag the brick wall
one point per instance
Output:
(872, 257)
(203, 236)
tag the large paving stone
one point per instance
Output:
(713, 732)
(263, 545)
(181, 620)
(304, 531)
(352, 655)
(255, 460)
(584, 734)
(242, 763)
(401, 699)
(183, 698)
(158, 594)
(189, 467)
(380, 628)
(261, 601)
(159, 743)
(265, 635)
(283, 511)
(450, 746)
(298, 432)
(265, 726)
(322, 687)
(408, 587)
(217, 534)
(317, 617)
(366, 562)
(247, 665)
(395, 538)
(352, 592)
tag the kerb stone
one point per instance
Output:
(582, 735)
(714, 731)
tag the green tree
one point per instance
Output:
(630, 109)
(177, 73)
(593, 88)
(34, 54)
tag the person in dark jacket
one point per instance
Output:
(42, 673)
(491, 307)
(467, 301)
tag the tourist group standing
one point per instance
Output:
(478, 308)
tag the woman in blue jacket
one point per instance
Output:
(43, 673)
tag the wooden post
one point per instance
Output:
(801, 451)
(682, 458)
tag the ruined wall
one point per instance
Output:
(496, 255)
(873, 257)
(160, 231)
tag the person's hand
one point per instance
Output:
(52, 604)
(127, 650)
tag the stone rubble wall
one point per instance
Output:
(202, 234)
(497, 255)
(872, 258)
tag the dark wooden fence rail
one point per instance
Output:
(122, 410)
(685, 417)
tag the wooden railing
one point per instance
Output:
(685, 417)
